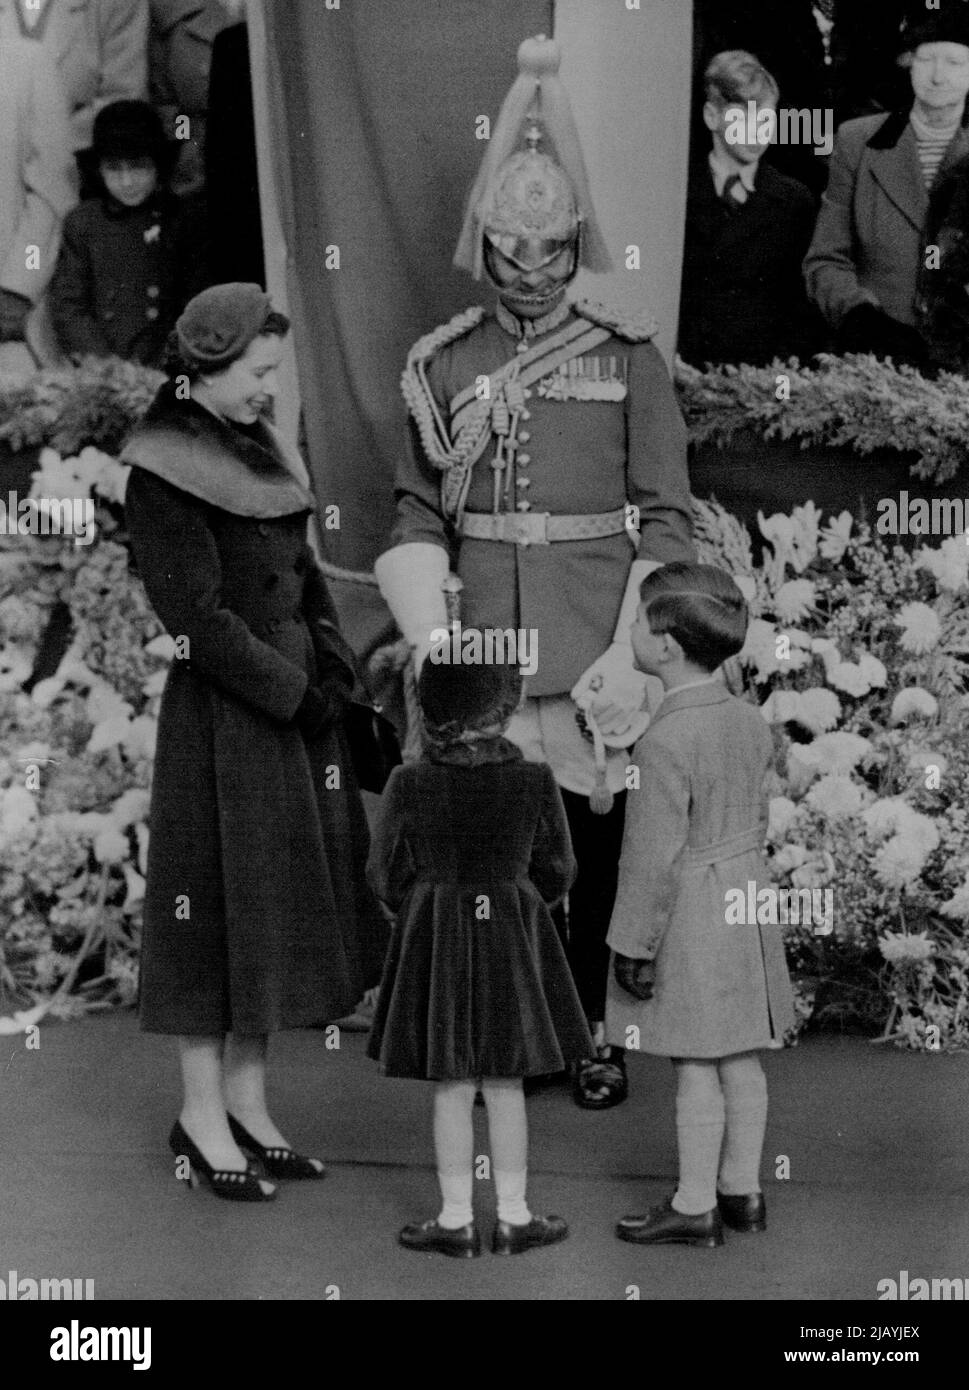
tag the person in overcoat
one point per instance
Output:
(747, 230)
(470, 850)
(257, 913)
(134, 255)
(869, 266)
(100, 48)
(38, 187)
(689, 982)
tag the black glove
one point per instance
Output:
(320, 708)
(867, 328)
(636, 977)
(14, 309)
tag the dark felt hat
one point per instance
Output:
(130, 130)
(460, 696)
(218, 325)
(948, 25)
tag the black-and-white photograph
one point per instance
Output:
(484, 662)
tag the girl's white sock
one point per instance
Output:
(453, 1145)
(510, 1191)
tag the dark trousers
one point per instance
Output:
(596, 842)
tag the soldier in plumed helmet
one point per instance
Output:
(547, 469)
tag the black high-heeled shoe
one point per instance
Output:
(227, 1183)
(278, 1163)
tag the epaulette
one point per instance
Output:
(445, 333)
(634, 329)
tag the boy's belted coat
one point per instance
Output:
(260, 833)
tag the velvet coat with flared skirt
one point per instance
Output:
(470, 849)
(257, 912)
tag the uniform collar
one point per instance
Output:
(533, 328)
(724, 168)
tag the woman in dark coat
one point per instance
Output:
(257, 913)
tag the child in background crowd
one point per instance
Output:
(133, 256)
(470, 849)
(690, 984)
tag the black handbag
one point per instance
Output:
(373, 742)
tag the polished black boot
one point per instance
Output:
(744, 1213)
(664, 1226)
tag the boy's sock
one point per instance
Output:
(453, 1145)
(699, 1134)
(508, 1132)
(745, 1097)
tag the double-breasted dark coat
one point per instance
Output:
(124, 275)
(257, 913)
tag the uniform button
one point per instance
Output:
(523, 482)
(263, 529)
(527, 393)
(524, 436)
(109, 314)
(524, 458)
(521, 347)
(153, 291)
(527, 414)
(151, 312)
(523, 506)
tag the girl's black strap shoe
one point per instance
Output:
(278, 1163)
(230, 1184)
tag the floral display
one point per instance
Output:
(858, 654)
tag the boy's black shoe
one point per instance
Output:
(515, 1240)
(664, 1226)
(744, 1213)
(464, 1242)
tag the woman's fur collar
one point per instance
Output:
(189, 447)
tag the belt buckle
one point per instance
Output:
(527, 528)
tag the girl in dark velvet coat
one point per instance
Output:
(471, 848)
(257, 913)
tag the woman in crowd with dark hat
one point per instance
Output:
(257, 912)
(134, 254)
(470, 850)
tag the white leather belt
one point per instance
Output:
(541, 528)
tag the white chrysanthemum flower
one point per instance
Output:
(781, 813)
(949, 563)
(794, 600)
(819, 710)
(835, 797)
(155, 683)
(921, 629)
(873, 671)
(781, 706)
(835, 537)
(899, 862)
(130, 807)
(826, 650)
(836, 752)
(893, 815)
(111, 846)
(104, 702)
(789, 858)
(747, 585)
(897, 946)
(778, 531)
(162, 646)
(957, 906)
(849, 677)
(919, 759)
(760, 649)
(141, 737)
(18, 810)
(913, 702)
(15, 667)
(108, 733)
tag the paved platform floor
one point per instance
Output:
(877, 1142)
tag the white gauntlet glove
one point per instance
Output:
(614, 691)
(410, 578)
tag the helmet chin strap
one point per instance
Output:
(511, 298)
